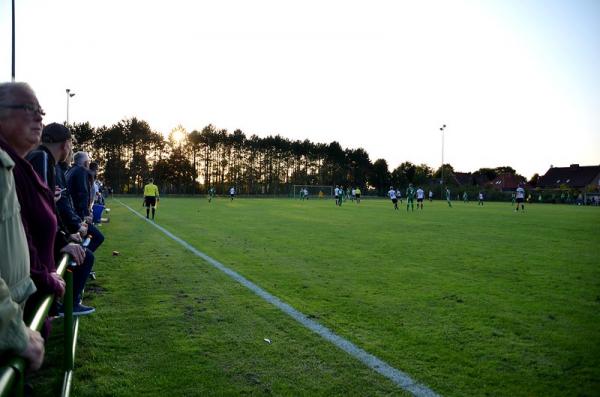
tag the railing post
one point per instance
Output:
(68, 320)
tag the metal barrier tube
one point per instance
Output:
(12, 379)
(68, 321)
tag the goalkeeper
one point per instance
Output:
(150, 197)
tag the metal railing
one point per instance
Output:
(12, 373)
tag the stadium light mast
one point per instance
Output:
(69, 95)
(13, 42)
(442, 128)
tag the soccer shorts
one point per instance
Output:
(150, 201)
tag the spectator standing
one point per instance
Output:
(78, 186)
(20, 131)
(15, 284)
(56, 146)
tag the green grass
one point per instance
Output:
(469, 300)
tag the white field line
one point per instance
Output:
(397, 376)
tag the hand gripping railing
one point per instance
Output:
(12, 374)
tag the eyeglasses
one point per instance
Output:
(30, 109)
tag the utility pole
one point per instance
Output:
(442, 128)
(69, 95)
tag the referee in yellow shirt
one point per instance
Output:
(150, 197)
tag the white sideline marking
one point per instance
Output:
(400, 378)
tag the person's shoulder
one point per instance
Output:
(5, 160)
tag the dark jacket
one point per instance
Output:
(65, 208)
(42, 161)
(78, 188)
(39, 221)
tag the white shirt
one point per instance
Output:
(420, 193)
(480, 196)
(430, 193)
(232, 190)
(336, 191)
(520, 193)
(392, 194)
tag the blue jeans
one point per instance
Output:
(97, 238)
(81, 274)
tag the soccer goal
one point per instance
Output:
(314, 191)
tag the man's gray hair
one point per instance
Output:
(81, 157)
(8, 93)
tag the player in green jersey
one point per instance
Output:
(211, 193)
(448, 197)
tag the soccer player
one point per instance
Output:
(211, 193)
(399, 195)
(512, 198)
(448, 197)
(465, 197)
(480, 199)
(392, 194)
(357, 194)
(302, 194)
(353, 192)
(410, 197)
(232, 193)
(336, 192)
(520, 197)
(420, 197)
(150, 197)
(305, 194)
(430, 196)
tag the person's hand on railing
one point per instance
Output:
(61, 284)
(83, 229)
(76, 238)
(34, 352)
(76, 252)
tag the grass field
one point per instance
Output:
(470, 301)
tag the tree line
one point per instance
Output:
(129, 152)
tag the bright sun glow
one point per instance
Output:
(177, 135)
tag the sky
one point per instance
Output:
(516, 82)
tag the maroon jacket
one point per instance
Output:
(39, 221)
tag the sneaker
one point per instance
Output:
(78, 310)
(82, 310)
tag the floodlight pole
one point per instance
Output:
(13, 41)
(442, 128)
(69, 95)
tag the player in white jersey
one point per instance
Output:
(520, 197)
(392, 194)
(420, 197)
(338, 192)
(430, 196)
(480, 199)
(232, 193)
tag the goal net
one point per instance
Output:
(312, 191)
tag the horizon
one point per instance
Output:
(515, 82)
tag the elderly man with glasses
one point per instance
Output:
(20, 132)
